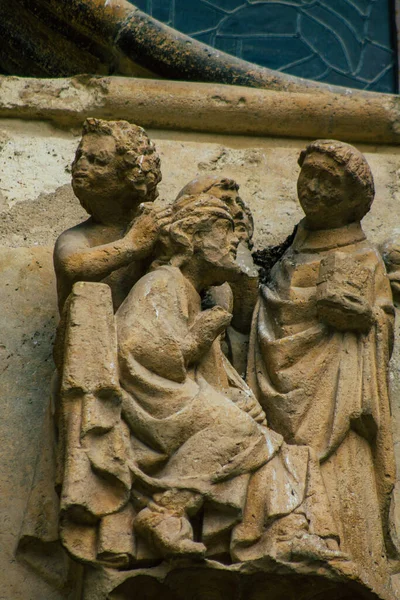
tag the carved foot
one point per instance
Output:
(287, 540)
(245, 535)
(309, 547)
(170, 534)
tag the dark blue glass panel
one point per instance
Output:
(348, 11)
(325, 43)
(264, 48)
(313, 66)
(229, 45)
(344, 42)
(193, 17)
(263, 19)
(340, 28)
(226, 5)
(379, 24)
(363, 6)
(208, 38)
(142, 5)
(383, 84)
(340, 79)
(374, 60)
(161, 10)
(295, 3)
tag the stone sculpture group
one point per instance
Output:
(186, 428)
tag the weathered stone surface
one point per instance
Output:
(44, 42)
(349, 115)
(217, 453)
(265, 168)
(168, 454)
(28, 318)
(267, 173)
(181, 580)
(25, 384)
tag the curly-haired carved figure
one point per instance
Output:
(116, 168)
(321, 342)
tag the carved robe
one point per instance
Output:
(200, 436)
(326, 386)
(176, 428)
(163, 427)
(186, 417)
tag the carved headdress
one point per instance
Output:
(222, 188)
(189, 214)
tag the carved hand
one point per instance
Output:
(248, 404)
(211, 322)
(346, 313)
(145, 228)
(205, 329)
(345, 293)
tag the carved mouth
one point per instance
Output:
(79, 177)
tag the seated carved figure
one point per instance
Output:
(240, 296)
(321, 342)
(181, 434)
(245, 286)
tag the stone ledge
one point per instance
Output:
(353, 116)
(260, 580)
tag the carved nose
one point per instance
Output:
(311, 184)
(82, 162)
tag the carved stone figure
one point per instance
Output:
(238, 297)
(114, 175)
(116, 169)
(321, 342)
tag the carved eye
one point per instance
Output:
(108, 395)
(100, 160)
(105, 393)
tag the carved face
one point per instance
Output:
(99, 181)
(323, 188)
(95, 163)
(216, 244)
(243, 227)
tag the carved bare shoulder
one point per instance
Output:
(72, 240)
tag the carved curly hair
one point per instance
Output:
(140, 161)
